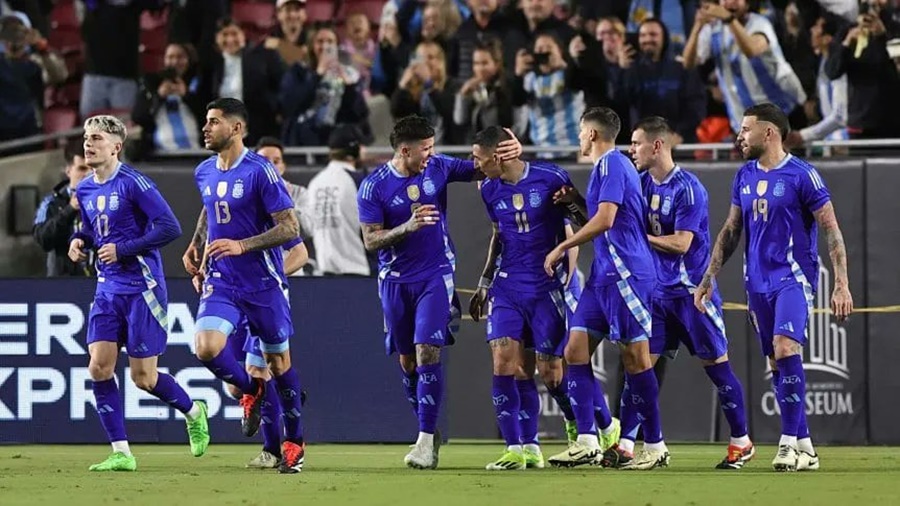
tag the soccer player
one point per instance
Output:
(616, 301)
(678, 222)
(780, 200)
(402, 210)
(247, 212)
(526, 308)
(126, 220)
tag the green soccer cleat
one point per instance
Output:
(198, 431)
(509, 461)
(609, 440)
(118, 461)
(571, 431)
(533, 459)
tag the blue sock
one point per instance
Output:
(628, 414)
(791, 393)
(581, 397)
(170, 392)
(507, 406)
(109, 408)
(430, 390)
(601, 410)
(288, 385)
(645, 396)
(410, 386)
(560, 394)
(225, 367)
(529, 410)
(776, 380)
(731, 397)
(271, 426)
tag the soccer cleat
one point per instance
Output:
(252, 404)
(786, 459)
(646, 460)
(611, 439)
(509, 461)
(807, 461)
(291, 457)
(198, 430)
(615, 457)
(577, 454)
(264, 460)
(737, 456)
(118, 461)
(571, 431)
(421, 457)
(533, 459)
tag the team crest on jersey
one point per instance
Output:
(778, 191)
(534, 198)
(114, 201)
(654, 202)
(428, 186)
(238, 190)
(101, 203)
(667, 205)
(222, 189)
(412, 191)
(761, 187)
(518, 201)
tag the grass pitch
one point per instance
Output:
(375, 475)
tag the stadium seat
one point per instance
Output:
(154, 40)
(151, 60)
(64, 16)
(371, 8)
(257, 15)
(65, 39)
(320, 10)
(154, 20)
(60, 118)
(74, 60)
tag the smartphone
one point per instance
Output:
(863, 8)
(633, 40)
(541, 58)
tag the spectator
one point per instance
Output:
(485, 99)
(58, 217)
(360, 47)
(196, 22)
(424, 90)
(249, 74)
(658, 85)
(539, 19)
(37, 12)
(391, 58)
(333, 210)
(168, 107)
(411, 14)
(798, 51)
(317, 96)
(747, 57)
(677, 15)
(872, 80)
(289, 37)
(487, 22)
(111, 33)
(552, 92)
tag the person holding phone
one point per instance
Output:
(424, 89)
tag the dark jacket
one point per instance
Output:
(112, 36)
(148, 103)
(470, 33)
(54, 223)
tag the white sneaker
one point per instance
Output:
(786, 459)
(646, 460)
(264, 460)
(577, 454)
(807, 461)
(421, 457)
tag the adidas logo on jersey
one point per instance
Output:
(746, 190)
(397, 202)
(206, 192)
(789, 326)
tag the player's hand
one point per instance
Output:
(76, 251)
(552, 259)
(107, 253)
(566, 195)
(841, 302)
(477, 302)
(73, 202)
(423, 216)
(191, 259)
(511, 149)
(702, 295)
(197, 281)
(221, 248)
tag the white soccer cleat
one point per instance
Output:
(646, 460)
(577, 454)
(264, 460)
(421, 457)
(786, 459)
(807, 461)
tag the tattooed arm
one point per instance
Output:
(726, 242)
(195, 250)
(841, 300)
(199, 239)
(376, 237)
(286, 228)
(479, 298)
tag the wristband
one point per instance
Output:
(484, 282)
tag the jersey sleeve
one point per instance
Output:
(612, 183)
(812, 190)
(290, 244)
(458, 170)
(370, 210)
(166, 228)
(736, 189)
(690, 206)
(487, 204)
(271, 190)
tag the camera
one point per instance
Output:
(168, 74)
(541, 58)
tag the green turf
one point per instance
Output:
(374, 474)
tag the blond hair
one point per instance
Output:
(107, 124)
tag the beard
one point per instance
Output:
(754, 152)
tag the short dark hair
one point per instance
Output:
(74, 147)
(606, 119)
(230, 107)
(771, 113)
(490, 137)
(411, 129)
(831, 24)
(655, 127)
(269, 142)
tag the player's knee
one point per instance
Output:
(279, 363)
(505, 367)
(785, 347)
(408, 363)
(100, 371)
(207, 349)
(427, 354)
(259, 372)
(576, 354)
(145, 380)
(551, 371)
(234, 391)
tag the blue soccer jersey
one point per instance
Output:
(622, 251)
(385, 197)
(777, 208)
(678, 203)
(239, 203)
(122, 211)
(530, 226)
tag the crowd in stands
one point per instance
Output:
(304, 67)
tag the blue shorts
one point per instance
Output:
(784, 312)
(619, 311)
(245, 347)
(537, 320)
(677, 321)
(267, 312)
(423, 312)
(136, 321)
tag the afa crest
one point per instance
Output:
(412, 191)
(101, 203)
(222, 189)
(114, 201)
(238, 190)
(534, 198)
(518, 201)
(761, 187)
(778, 191)
(428, 186)
(667, 205)
(654, 202)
